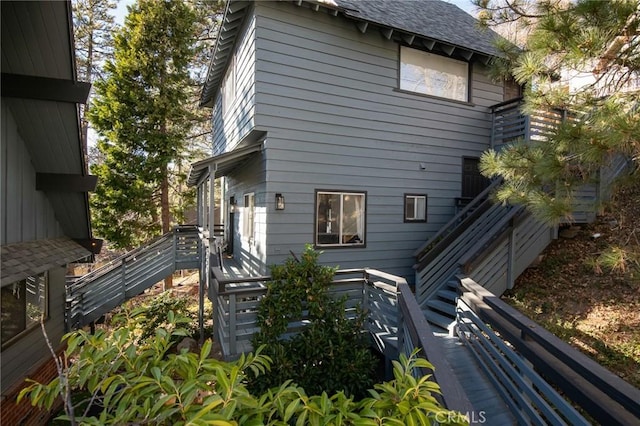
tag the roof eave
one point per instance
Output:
(235, 10)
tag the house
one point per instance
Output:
(44, 210)
(355, 126)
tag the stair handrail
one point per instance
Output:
(458, 223)
(453, 395)
(606, 397)
(115, 263)
(484, 246)
(503, 104)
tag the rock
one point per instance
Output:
(570, 232)
(190, 344)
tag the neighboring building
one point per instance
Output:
(355, 126)
(44, 211)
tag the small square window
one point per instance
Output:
(415, 208)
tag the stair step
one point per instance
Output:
(447, 294)
(442, 306)
(453, 284)
(439, 320)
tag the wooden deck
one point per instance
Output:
(232, 268)
(488, 405)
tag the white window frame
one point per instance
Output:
(335, 229)
(38, 287)
(249, 217)
(433, 75)
(417, 212)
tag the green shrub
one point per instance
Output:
(331, 353)
(128, 383)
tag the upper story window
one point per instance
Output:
(229, 86)
(340, 218)
(415, 208)
(23, 304)
(434, 75)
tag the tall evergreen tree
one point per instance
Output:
(582, 57)
(93, 25)
(142, 114)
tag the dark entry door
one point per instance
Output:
(473, 183)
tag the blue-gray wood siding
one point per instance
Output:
(30, 350)
(251, 253)
(26, 214)
(327, 96)
(232, 126)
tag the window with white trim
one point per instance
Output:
(415, 208)
(23, 304)
(228, 87)
(340, 218)
(434, 75)
(248, 216)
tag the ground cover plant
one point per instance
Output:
(125, 380)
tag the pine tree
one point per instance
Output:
(141, 113)
(580, 57)
(93, 26)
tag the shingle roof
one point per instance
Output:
(21, 260)
(435, 19)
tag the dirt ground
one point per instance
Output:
(586, 290)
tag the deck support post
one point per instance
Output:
(232, 325)
(511, 259)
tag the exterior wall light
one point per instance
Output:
(279, 201)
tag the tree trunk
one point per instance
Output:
(166, 218)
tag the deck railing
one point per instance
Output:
(510, 124)
(524, 360)
(236, 300)
(415, 333)
(393, 319)
(98, 292)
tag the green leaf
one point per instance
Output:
(291, 409)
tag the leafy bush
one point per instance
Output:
(151, 315)
(128, 383)
(331, 353)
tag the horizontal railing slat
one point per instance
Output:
(602, 394)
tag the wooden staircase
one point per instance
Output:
(494, 243)
(91, 296)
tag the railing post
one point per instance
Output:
(201, 290)
(232, 325)
(492, 139)
(123, 275)
(511, 260)
(365, 291)
(175, 249)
